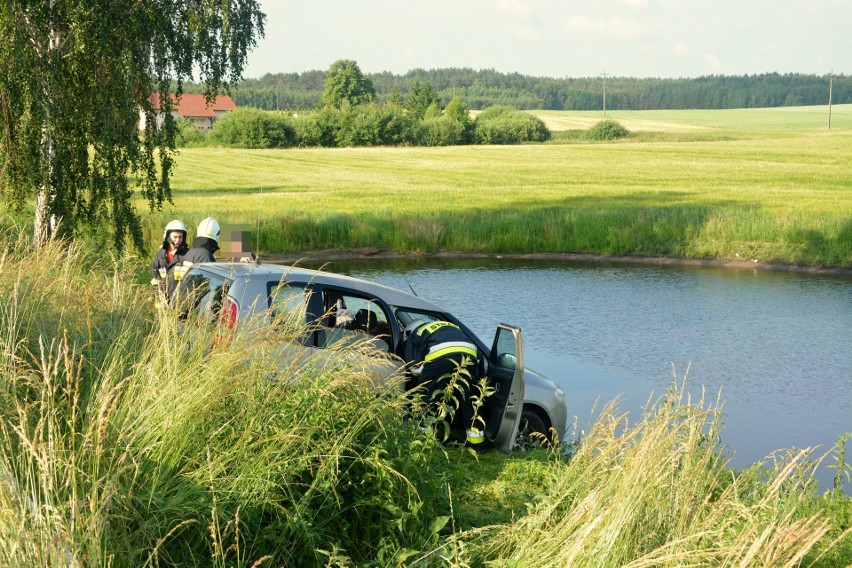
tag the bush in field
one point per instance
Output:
(361, 125)
(188, 136)
(606, 130)
(441, 131)
(317, 128)
(506, 125)
(373, 125)
(253, 128)
(450, 128)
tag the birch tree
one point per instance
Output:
(74, 76)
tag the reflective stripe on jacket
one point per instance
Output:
(435, 340)
(447, 347)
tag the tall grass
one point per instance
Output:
(777, 197)
(127, 439)
(657, 493)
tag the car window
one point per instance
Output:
(288, 301)
(349, 317)
(201, 294)
(405, 316)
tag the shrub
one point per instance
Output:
(374, 125)
(188, 136)
(318, 128)
(253, 128)
(506, 125)
(441, 131)
(606, 130)
(362, 125)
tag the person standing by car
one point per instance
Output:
(438, 353)
(168, 257)
(206, 243)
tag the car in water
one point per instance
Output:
(337, 308)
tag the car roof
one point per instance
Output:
(287, 273)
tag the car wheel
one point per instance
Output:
(532, 430)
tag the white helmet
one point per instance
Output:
(409, 329)
(174, 226)
(209, 228)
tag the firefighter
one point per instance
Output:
(169, 256)
(206, 242)
(436, 352)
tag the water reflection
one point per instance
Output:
(776, 345)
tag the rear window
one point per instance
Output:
(200, 294)
(288, 302)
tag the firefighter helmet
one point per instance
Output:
(174, 226)
(209, 228)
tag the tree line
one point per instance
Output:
(486, 87)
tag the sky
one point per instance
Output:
(551, 38)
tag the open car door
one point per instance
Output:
(506, 377)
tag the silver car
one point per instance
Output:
(341, 308)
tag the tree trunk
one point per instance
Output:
(42, 232)
(44, 223)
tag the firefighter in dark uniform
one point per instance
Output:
(206, 242)
(436, 351)
(169, 257)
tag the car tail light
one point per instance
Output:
(227, 321)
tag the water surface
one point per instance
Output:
(775, 345)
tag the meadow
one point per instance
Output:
(769, 185)
(126, 440)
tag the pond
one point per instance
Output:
(775, 345)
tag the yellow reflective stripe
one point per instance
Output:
(475, 436)
(445, 344)
(435, 325)
(448, 350)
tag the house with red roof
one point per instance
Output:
(193, 108)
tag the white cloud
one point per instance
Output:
(614, 27)
(624, 29)
(527, 34)
(513, 7)
(771, 49)
(680, 49)
(713, 62)
(578, 24)
(636, 4)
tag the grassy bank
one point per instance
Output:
(767, 193)
(125, 441)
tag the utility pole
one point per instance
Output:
(604, 92)
(830, 81)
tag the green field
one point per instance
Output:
(770, 185)
(739, 122)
